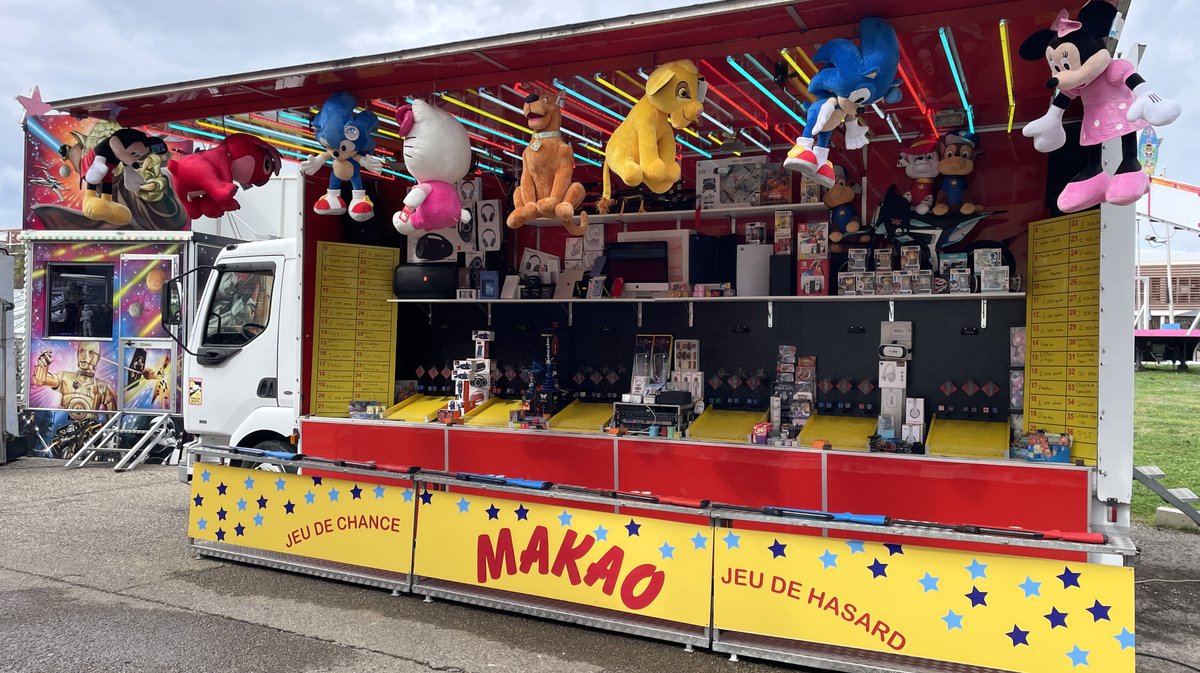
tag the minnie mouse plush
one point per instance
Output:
(1117, 103)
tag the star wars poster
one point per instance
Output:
(57, 149)
(148, 377)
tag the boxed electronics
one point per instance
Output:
(730, 183)
(642, 266)
(692, 258)
(425, 281)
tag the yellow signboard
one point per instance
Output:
(626, 563)
(1015, 614)
(1064, 324)
(355, 326)
(361, 524)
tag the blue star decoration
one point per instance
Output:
(1018, 636)
(601, 533)
(202, 524)
(953, 620)
(241, 504)
(333, 495)
(289, 507)
(977, 597)
(731, 541)
(199, 500)
(221, 488)
(1069, 579)
(249, 483)
(220, 535)
(1056, 618)
(316, 481)
(1030, 587)
(978, 570)
(522, 512)
(258, 519)
(633, 528)
(699, 541)
(929, 582)
(221, 514)
(262, 502)
(407, 495)
(356, 493)
(777, 549)
(894, 549)
(564, 519)
(855, 546)
(310, 497)
(379, 491)
(239, 529)
(1124, 637)
(205, 476)
(1099, 611)
(280, 484)
(464, 505)
(667, 550)
(426, 497)
(493, 512)
(1078, 657)
(828, 559)
(878, 569)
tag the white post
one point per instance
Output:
(1170, 287)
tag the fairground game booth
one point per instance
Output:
(725, 378)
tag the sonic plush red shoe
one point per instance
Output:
(330, 204)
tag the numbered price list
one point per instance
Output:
(1063, 358)
(355, 345)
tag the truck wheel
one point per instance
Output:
(270, 445)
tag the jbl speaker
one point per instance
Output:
(425, 281)
(783, 276)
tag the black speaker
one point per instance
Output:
(426, 281)
(783, 276)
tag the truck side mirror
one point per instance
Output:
(172, 304)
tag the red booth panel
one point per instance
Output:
(580, 461)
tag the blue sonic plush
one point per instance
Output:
(346, 137)
(848, 80)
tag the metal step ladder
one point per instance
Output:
(107, 442)
(1179, 498)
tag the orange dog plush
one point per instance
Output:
(546, 189)
(642, 149)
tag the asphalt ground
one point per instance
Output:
(95, 575)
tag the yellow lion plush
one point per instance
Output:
(642, 149)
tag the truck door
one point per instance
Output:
(236, 339)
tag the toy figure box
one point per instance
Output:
(776, 185)
(730, 183)
(1043, 447)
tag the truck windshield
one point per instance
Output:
(240, 308)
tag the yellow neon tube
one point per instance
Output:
(485, 113)
(1008, 80)
(631, 80)
(787, 56)
(273, 141)
(615, 89)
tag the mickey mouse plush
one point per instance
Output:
(1117, 103)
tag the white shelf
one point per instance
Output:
(681, 216)
(703, 300)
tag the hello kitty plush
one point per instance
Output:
(437, 152)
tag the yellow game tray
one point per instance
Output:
(721, 425)
(847, 433)
(417, 409)
(967, 439)
(493, 413)
(582, 417)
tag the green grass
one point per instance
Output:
(1166, 432)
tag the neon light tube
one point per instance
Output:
(400, 175)
(584, 99)
(1008, 79)
(199, 132)
(604, 92)
(952, 58)
(614, 88)
(214, 127)
(892, 125)
(297, 118)
(485, 113)
(713, 72)
(754, 140)
(742, 71)
(787, 56)
(770, 77)
(235, 123)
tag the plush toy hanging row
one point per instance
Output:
(437, 152)
(347, 138)
(207, 181)
(1117, 103)
(547, 186)
(849, 80)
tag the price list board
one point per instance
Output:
(1063, 343)
(354, 350)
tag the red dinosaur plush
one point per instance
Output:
(207, 181)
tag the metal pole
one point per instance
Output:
(1170, 287)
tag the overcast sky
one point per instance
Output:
(73, 47)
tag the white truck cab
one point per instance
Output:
(242, 359)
